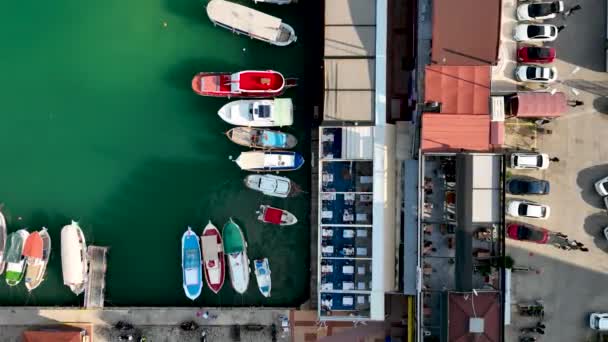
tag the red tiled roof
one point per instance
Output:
(459, 89)
(538, 105)
(453, 132)
(54, 336)
(464, 306)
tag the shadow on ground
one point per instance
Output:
(586, 179)
(594, 226)
(601, 104)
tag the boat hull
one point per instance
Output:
(261, 138)
(276, 112)
(262, 275)
(271, 215)
(214, 276)
(36, 269)
(191, 265)
(2, 242)
(219, 84)
(235, 249)
(270, 185)
(259, 163)
(74, 258)
(15, 261)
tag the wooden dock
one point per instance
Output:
(96, 285)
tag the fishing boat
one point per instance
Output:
(248, 83)
(213, 257)
(2, 241)
(269, 161)
(15, 262)
(268, 214)
(261, 138)
(253, 23)
(262, 275)
(191, 264)
(235, 248)
(74, 257)
(258, 113)
(276, 2)
(271, 185)
(37, 252)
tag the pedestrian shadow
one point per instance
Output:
(586, 179)
(594, 226)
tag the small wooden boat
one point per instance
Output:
(235, 248)
(270, 161)
(249, 83)
(258, 113)
(36, 262)
(15, 261)
(268, 214)
(262, 275)
(261, 138)
(2, 242)
(213, 257)
(191, 265)
(271, 185)
(247, 21)
(74, 258)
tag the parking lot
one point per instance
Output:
(571, 283)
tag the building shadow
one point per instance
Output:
(594, 226)
(601, 104)
(586, 179)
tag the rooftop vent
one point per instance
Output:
(476, 325)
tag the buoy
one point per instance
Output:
(165, 24)
(244, 49)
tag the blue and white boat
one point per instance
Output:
(262, 275)
(261, 138)
(270, 161)
(191, 264)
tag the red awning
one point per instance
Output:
(273, 215)
(455, 132)
(33, 246)
(538, 105)
(55, 336)
(497, 133)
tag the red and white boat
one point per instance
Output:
(248, 84)
(281, 217)
(213, 257)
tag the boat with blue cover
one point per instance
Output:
(261, 138)
(191, 264)
(262, 275)
(270, 161)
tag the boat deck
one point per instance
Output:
(95, 290)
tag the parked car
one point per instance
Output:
(529, 209)
(535, 73)
(527, 186)
(535, 32)
(525, 232)
(535, 54)
(528, 160)
(598, 321)
(539, 10)
(605, 230)
(601, 186)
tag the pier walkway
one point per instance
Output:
(96, 285)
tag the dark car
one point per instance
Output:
(524, 232)
(527, 186)
(535, 54)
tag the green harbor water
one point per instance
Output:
(99, 124)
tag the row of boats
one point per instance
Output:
(25, 255)
(208, 254)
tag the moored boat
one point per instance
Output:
(258, 113)
(269, 161)
(74, 258)
(191, 264)
(276, 2)
(15, 262)
(2, 241)
(261, 138)
(249, 83)
(213, 257)
(268, 214)
(250, 22)
(235, 248)
(262, 275)
(36, 262)
(271, 185)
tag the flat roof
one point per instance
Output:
(459, 89)
(350, 41)
(353, 74)
(462, 38)
(455, 132)
(349, 105)
(350, 12)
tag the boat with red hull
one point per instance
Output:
(213, 257)
(246, 84)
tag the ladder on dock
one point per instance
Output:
(96, 285)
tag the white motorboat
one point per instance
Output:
(253, 23)
(281, 217)
(2, 241)
(235, 249)
(270, 185)
(258, 113)
(276, 2)
(74, 257)
(262, 275)
(269, 161)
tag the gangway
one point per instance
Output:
(96, 285)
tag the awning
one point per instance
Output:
(497, 133)
(538, 105)
(52, 335)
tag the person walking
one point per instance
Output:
(554, 159)
(575, 103)
(572, 10)
(560, 28)
(539, 331)
(540, 325)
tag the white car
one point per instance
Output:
(520, 208)
(601, 186)
(535, 73)
(598, 321)
(539, 161)
(605, 233)
(535, 32)
(539, 10)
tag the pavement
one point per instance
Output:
(571, 283)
